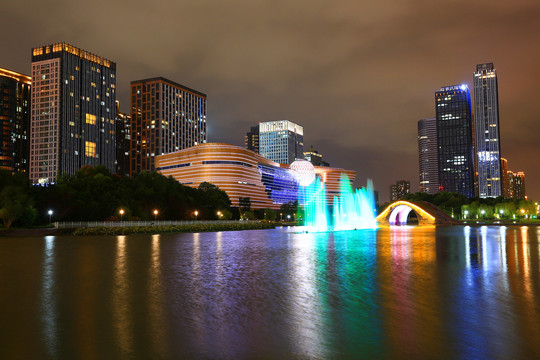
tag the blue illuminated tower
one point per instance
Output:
(455, 140)
(486, 107)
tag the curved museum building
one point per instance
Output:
(243, 173)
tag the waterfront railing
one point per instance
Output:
(81, 224)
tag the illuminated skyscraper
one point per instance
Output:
(14, 121)
(123, 138)
(165, 117)
(487, 131)
(455, 140)
(73, 112)
(281, 141)
(427, 156)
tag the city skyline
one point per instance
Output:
(357, 84)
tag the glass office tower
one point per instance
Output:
(488, 143)
(281, 141)
(427, 156)
(455, 140)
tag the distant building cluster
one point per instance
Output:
(461, 153)
(399, 190)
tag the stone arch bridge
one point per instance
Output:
(428, 214)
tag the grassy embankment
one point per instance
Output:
(173, 228)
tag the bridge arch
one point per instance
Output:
(428, 214)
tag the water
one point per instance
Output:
(351, 210)
(404, 292)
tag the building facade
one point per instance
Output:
(399, 190)
(455, 140)
(73, 112)
(315, 157)
(517, 185)
(123, 138)
(165, 117)
(14, 121)
(488, 146)
(251, 140)
(243, 173)
(281, 141)
(428, 161)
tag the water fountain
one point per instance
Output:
(352, 209)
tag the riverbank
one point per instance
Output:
(174, 228)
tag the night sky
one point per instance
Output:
(357, 75)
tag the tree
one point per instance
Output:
(14, 200)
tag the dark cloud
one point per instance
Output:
(357, 75)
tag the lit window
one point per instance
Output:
(91, 119)
(90, 149)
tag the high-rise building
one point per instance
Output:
(14, 121)
(281, 141)
(517, 185)
(399, 190)
(455, 140)
(73, 112)
(123, 137)
(165, 117)
(505, 181)
(488, 146)
(427, 156)
(251, 139)
(315, 157)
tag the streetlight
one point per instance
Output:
(482, 212)
(466, 213)
(501, 211)
(196, 214)
(288, 217)
(219, 214)
(121, 214)
(50, 212)
(155, 214)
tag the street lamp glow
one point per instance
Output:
(155, 214)
(50, 212)
(121, 214)
(196, 213)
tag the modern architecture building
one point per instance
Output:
(428, 160)
(73, 112)
(455, 140)
(243, 173)
(165, 117)
(281, 141)
(14, 121)
(251, 139)
(399, 190)
(488, 145)
(123, 138)
(315, 157)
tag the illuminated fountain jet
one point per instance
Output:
(352, 209)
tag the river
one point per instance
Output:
(453, 292)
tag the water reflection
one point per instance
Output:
(122, 313)
(403, 292)
(48, 298)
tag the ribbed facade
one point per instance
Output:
(243, 173)
(427, 156)
(14, 121)
(281, 141)
(455, 140)
(73, 112)
(165, 117)
(488, 143)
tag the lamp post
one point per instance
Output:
(501, 212)
(50, 212)
(155, 214)
(482, 212)
(196, 214)
(219, 214)
(466, 214)
(121, 214)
